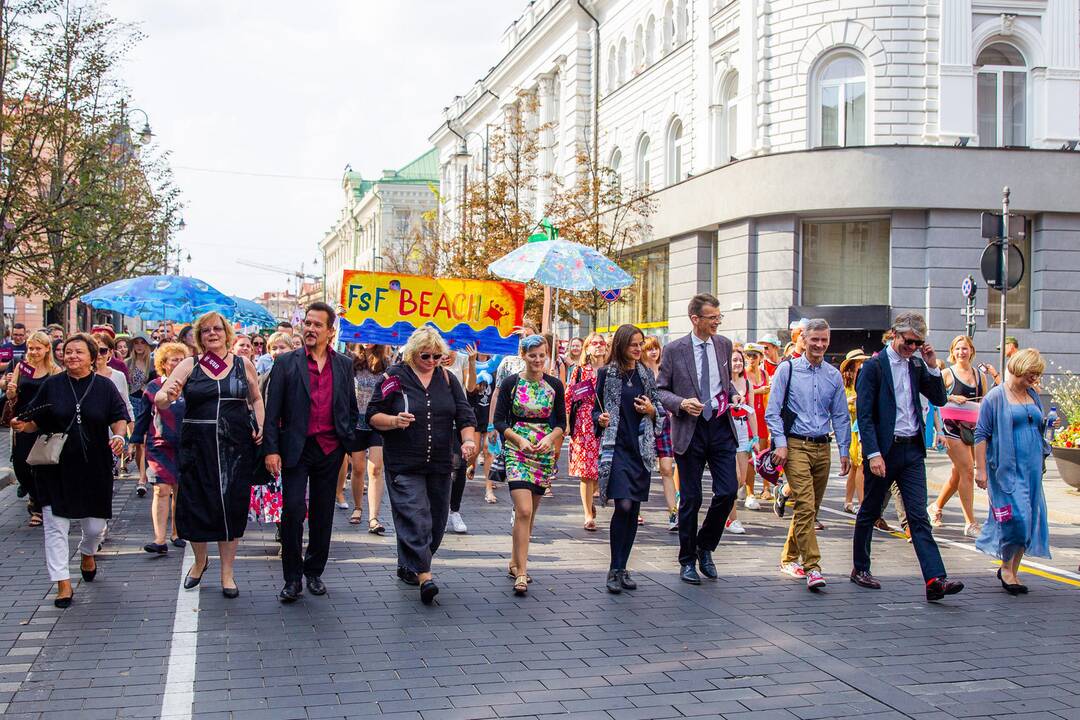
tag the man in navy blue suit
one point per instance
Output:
(891, 429)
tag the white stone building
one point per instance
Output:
(379, 220)
(817, 158)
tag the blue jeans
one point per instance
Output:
(904, 465)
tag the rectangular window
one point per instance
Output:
(855, 114)
(1014, 94)
(402, 221)
(1018, 310)
(830, 116)
(645, 302)
(845, 263)
(987, 109)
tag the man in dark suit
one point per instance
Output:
(311, 414)
(695, 387)
(891, 429)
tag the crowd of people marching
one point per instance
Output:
(228, 427)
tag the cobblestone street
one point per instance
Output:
(755, 644)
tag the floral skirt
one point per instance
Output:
(536, 469)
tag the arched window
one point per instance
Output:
(1001, 98)
(612, 70)
(639, 50)
(643, 165)
(668, 34)
(650, 40)
(622, 61)
(615, 163)
(682, 22)
(675, 152)
(841, 101)
(727, 120)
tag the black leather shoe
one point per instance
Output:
(689, 574)
(155, 549)
(708, 569)
(938, 588)
(291, 592)
(613, 585)
(179, 542)
(428, 591)
(231, 593)
(64, 602)
(407, 576)
(88, 575)
(191, 582)
(863, 578)
(626, 581)
(315, 585)
(1011, 588)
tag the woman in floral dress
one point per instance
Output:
(584, 444)
(530, 416)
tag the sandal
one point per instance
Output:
(521, 585)
(354, 519)
(511, 572)
(35, 520)
(490, 498)
(590, 525)
(375, 527)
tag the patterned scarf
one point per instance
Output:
(611, 397)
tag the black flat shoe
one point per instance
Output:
(192, 582)
(612, 583)
(64, 602)
(179, 542)
(291, 592)
(156, 549)
(428, 591)
(1011, 588)
(231, 593)
(315, 585)
(89, 575)
(407, 576)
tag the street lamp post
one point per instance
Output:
(463, 155)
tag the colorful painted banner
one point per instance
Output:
(385, 308)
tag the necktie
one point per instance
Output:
(705, 383)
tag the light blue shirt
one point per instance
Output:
(714, 388)
(816, 397)
(263, 363)
(907, 425)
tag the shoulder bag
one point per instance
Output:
(48, 446)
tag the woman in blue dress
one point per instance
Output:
(1010, 449)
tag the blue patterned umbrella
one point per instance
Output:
(561, 264)
(160, 297)
(249, 312)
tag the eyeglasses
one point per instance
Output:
(711, 318)
(913, 342)
(431, 356)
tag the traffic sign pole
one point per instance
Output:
(1004, 272)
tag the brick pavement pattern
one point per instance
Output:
(754, 644)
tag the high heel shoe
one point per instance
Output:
(192, 582)
(1011, 588)
(88, 575)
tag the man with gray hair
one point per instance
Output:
(889, 413)
(807, 401)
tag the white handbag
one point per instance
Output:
(48, 446)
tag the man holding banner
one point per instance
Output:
(311, 412)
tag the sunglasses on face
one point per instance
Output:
(913, 342)
(431, 356)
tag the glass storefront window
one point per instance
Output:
(845, 263)
(645, 302)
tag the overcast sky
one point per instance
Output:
(300, 89)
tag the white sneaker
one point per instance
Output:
(815, 580)
(752, 503)
(741, 495)
(735, 527)
(934, 513)
(972, 530)
(456, 524)
(795, 570)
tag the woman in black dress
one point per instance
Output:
(628, 416)
(217, 446)
(25, 381)
(91, 411)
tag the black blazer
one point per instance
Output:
(288, 404)
(875, 402)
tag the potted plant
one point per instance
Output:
(1064, 390)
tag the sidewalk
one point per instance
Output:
(7, 476)
(1062, 502)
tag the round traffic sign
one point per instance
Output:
(990, 264)
(968, 287)
(611, 295)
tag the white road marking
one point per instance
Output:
(180, 680)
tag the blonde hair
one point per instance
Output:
(40, 337)
(279, 337)
(423, 338)
(1026, 361)
(956, 341)
(586, 349)
(167, 350)
(207, 318)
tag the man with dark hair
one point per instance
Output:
(284, 326)
(13, 351)
(695, 387)
(56, 332)
(311, 413)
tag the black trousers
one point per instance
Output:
(905, 465)
(713, 444)
(420, 504)
(458, 488)
(318, 471)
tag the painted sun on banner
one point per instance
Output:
(385, 308)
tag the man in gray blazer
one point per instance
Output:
(695, 387)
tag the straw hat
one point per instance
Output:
(856, 355)
(753, 348)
